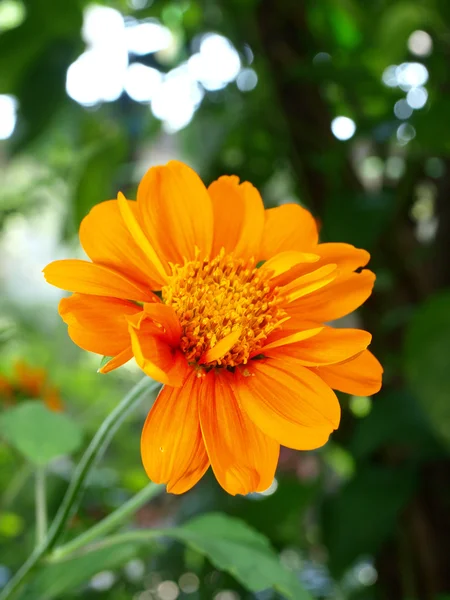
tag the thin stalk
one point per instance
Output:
(108, 523)
(16, 485)
(139, 536)
(40, 505)
(84, 467)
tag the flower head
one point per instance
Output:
(225, 303)
(29, 383)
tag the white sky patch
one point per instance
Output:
(216, 64)
(147, 37)
(141, 82)
(102, 73)
(176, 99)
(98, 74)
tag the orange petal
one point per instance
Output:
(156, 356)
(287, 402)
(107, 241)
(175, 211)
(309, 283)
(281, 265)
(288, 227)
(339, 298)
(222, 347)
(172, 446)
(242, 457)
(117, 361)
(328, 347)
(129, 217)
(165, 316)
(360, 377)
(89, 278)
(98, 324)
(345, 256)
(238, 217)
(285, 337)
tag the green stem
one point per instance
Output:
(108, 524)
(93, 452)
(139, 536)
(16, 485)
(40, 505)
(87, 462)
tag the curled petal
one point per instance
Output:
(309, 283)
(156, 356)
(360, 376)
(339, 298)
(98, 324)
(329, 346)
(345, 256)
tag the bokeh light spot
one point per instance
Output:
(402, 109)
(360, 406)
(395, 167)
(168, 590)
(8, 116)
(411, 74)
(189, 583)
(321, 57)
(103, 581)
(343, 128)
(142, 82)
(216, 64)
(405, 133)
(12, 14)
(147, 37)
(417, 97)
(247, 80)
(420, 43)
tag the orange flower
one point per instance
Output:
(29, 382)
(240, 344)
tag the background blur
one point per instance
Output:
(341, 105)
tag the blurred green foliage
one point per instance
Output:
(368, 516)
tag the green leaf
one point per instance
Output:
(427, 360)
(362, 516)
(231, 545)
(38, 433)
(54, 580)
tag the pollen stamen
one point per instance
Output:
(218, 297)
